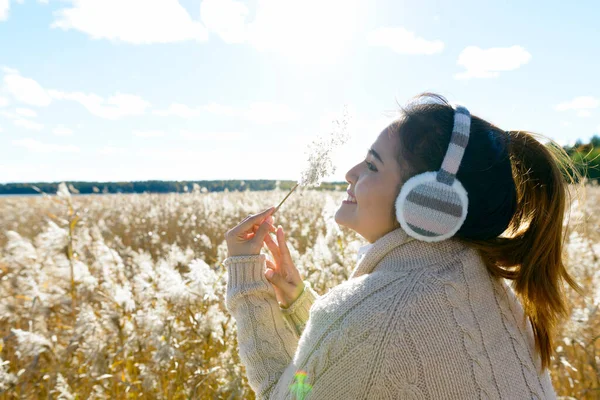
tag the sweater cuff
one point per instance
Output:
(246, 269)
(299, 311)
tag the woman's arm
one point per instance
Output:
(299, 311)
(267, 337)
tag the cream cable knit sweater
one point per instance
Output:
(415, 320)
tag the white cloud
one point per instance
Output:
(584, 113)
(4, 7)
(278, 25)
(8, 70)
(114, 107)
(179, 110)
(3, 100)
(0, 129)
(403, 41)
(39, 147)
(226, 18)
(258, 112)
(219, 109)
(487, 63)
(25, 90)
(213, 136)
(26, 112)
(132, 21)
(578, 103)
(268, 113)
(307, 31)
(111, 150)
(8, 115)
(62, 131)
(301, 31)
(148, 134)
(27, 124)
(28, 91)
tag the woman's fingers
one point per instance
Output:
(271, 268)
(273, 248)
(247, 237)
(291, 270)
(256, 231)
(283, 248)
(277, 279)
(269, 220)
(254, 228)
(262, 231)
(252, 222)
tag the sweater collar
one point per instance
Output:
(406, 252)
(362, 250)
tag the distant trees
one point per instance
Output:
(585, 156)
(159, 186)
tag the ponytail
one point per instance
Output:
(530, 252)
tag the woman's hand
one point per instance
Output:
(283, 274)
(248, 236)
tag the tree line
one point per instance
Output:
(235, 185)
(586, 157)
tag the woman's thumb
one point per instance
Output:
(276, 279)
(269, 274)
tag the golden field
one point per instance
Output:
(122, 296)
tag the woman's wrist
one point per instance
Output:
(299, 290)
(303, 302)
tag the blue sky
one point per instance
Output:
(119, 90)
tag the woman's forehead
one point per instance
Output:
(385, 144)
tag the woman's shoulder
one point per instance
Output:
(464, 267)
(462, 272)
(460, 281)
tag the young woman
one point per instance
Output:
(425, 313)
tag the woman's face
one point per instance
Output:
(374, 184)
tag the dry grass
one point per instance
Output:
(122, 296)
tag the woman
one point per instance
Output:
(425, 313)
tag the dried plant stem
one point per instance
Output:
(288, 195)
(71, 256)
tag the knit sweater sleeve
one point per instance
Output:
(298, 312)
(267, 333)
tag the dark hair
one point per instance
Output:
(516, 189)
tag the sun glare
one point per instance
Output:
(309, 32)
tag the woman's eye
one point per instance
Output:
(371, 166)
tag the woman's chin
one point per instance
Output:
(338, 218)
(341, 219)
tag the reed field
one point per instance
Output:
(122, 296)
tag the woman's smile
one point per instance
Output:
(374, 184)
(350, 199)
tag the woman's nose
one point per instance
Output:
(350, 175)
